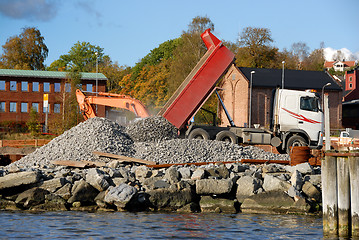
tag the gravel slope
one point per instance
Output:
(152, 138)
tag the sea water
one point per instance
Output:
(126, 225)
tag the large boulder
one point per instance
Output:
(8, 205)
(272, 202)
(169, 198)
(312, 192)
(304, 168)
(185, 172)
(213, 186)
(274, 183)
(142, 172)
(19, 179)
(120, 195)
(297, 180)
(31, 197)
(172, 175)
(65, 191)
(83, 192)
(97, 179)
(52, 202)
(217, 205)
(246, 186)
(218, 171)
(53, 185)
(199, 173)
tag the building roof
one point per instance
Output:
(48, 74)
(293, 79)
(329, 64)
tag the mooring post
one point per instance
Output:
(343, 196)
(329, 196)
(354, 192)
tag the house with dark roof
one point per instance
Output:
(22, 90)
(236, 87)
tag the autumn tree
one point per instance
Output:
(315, 61)
(114, 73)
(26, 51)
(189, 51)
(152, 87)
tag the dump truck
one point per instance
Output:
(297, 119)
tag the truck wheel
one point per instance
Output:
(294, 141)
(226, 136)
(198, 133)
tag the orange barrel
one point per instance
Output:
(299, 154)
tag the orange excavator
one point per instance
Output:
(110, 100)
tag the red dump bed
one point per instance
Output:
(199, 84)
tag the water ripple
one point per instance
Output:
(124, 225)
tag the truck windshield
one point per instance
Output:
(309, 104)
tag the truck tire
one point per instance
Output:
(295, 140)
(227, 136)
(198, 133)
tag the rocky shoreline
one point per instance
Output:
(220, 188)
(36, 183)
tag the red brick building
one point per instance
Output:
(21, 90)
(351, 99)
(236, 93)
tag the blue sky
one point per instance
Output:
(128, 30)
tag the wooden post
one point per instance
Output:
(343, 196)
(354, 192)
(329, 196)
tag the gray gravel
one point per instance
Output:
(152, 129)
(100, 134)
(78, 143)
(195, 150)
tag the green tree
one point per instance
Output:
(26, 51)
(163, 52)
(82, 57)
(33, 124)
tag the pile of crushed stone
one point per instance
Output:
(139, 140)
(79, 143)
(152, 129)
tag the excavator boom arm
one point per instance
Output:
(110, 100)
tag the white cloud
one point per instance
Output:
(329, 54)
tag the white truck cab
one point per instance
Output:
(298, 118)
